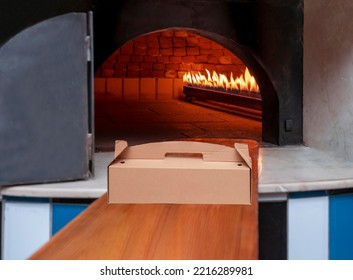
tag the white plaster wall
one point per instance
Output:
(328, 76)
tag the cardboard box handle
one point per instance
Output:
(184, 155)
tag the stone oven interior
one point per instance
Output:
(139, 92)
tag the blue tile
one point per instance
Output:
(341, 227)
(63, 214)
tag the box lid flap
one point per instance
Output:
(243, 150)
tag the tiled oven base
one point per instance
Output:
(314, 225)
(310, 225)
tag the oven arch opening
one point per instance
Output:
(270, 103)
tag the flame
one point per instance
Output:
(245, 82)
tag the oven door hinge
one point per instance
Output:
(88, 45)
(90, 145)
(89, 37)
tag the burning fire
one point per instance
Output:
(244, 82)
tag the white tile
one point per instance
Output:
(26, 228)
(308, 228)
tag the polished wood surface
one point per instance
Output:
(162, 231)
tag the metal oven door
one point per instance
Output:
(46, 102)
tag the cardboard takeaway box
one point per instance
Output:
(180, 172)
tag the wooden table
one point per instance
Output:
(163, 231)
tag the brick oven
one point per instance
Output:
(49, 49)
(153, 67)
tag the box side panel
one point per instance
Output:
(193, 186)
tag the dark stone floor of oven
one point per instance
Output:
(140, 122)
